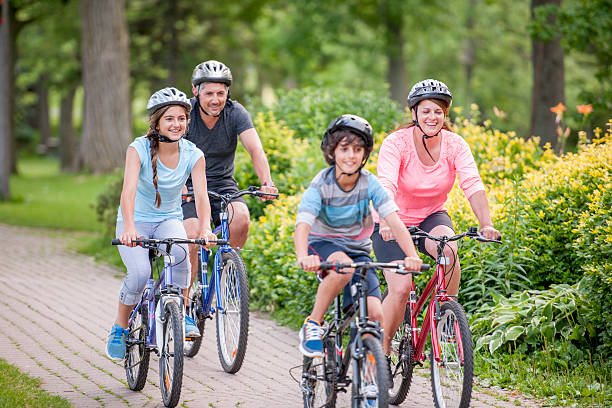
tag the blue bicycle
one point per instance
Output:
(156, 324)
(227, 284)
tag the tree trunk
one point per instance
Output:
(42, 114)
(5, 103)
(548, 82)
(469, 54)
(106, 117)
(396, 72)
(67, 139)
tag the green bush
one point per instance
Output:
(308, 111)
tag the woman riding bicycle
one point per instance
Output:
(417, 165)
(156, 168)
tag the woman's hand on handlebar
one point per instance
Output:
(489, 232)
(310, 263)
(129, 234)
(385, 231)
(412, 263)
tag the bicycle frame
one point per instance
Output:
(209, 287)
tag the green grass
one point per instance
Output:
(41, 196)
(535, 376)
(20, 390)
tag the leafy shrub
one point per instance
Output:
(553, 320)
(308, 111)
(107, 204)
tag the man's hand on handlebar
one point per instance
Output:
(268, 188)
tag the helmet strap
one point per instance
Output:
(425, 135)
(163, 138)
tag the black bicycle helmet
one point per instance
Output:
(429, 89)
(165, 97)
(353, 123)
(211, 71)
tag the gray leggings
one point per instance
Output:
(136, 259)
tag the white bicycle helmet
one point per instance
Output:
(165, 97)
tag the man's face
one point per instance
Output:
(212, 97)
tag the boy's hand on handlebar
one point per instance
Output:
(128, 236)
(412, 263)
(310, 263)
(489, 232)
(268, 188)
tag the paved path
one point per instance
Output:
(56, 308)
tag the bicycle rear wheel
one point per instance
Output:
(451, 378)
(137, 354)
(194, 310)
(318, 374)
(370, 380)
(402, 360)
(171, 355)
(233, 320)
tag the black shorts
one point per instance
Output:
(325, 248)
(220, 186)
(387, 251)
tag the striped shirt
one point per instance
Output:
(343, 217)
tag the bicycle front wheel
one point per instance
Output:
(402, 359)
(171, 355)
(318, 374)
(370, 380)
(451, 377)
(137, 354)
(233, 316)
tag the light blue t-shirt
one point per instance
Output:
(169, 181)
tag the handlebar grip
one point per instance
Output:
(115, 241)
(425, 267)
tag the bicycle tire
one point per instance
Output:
(451, 380)
(171, 355)
(401, 353)
(370, 380)
(137, 355)
(194, 310)
(319, 385)
(233, 322)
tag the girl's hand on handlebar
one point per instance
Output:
(129, 235)
(412, 263)
(489, 232)
(310, 263)
(183, 194)
(268, 188)
(209, 237)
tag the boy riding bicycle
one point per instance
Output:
(334, 223)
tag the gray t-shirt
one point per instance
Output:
(219, 143)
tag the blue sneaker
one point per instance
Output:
(310, 339)
(115, 347)
(191, 329)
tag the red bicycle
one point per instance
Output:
(451, 358)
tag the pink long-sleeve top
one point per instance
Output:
(420, 190)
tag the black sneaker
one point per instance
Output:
(390, 371)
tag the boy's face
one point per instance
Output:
(349, 155)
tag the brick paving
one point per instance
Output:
(56, 308)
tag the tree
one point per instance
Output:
(5, 103)
(548, 73)
(107, 114)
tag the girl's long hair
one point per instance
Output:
(154, 142)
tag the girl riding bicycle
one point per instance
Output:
(417, 165)
(334, 222)
(156, 168)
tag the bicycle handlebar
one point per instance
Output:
(146, 243)
(472, 232)
(325, 266)
(252, 190)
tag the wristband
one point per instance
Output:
(268, 184)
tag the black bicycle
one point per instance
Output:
(323, 377)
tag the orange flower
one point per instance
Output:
(559, 109)
(585, 109)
